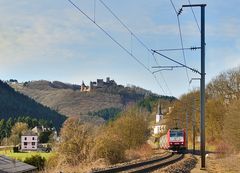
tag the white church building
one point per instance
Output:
(159, 127)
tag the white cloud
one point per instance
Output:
(23, 37)
(225, 28)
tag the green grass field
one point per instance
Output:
(22, 155)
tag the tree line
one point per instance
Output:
(14, 104)
(222, 111)
(7, 125)
(107, 114)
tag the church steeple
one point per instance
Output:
(159, 109)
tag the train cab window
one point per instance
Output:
(179, 133)
(173, 134)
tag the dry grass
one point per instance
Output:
(81, 168)
(215, 163)
(142, 152)
(70, 102)
(229, 164)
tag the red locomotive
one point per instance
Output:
(175, 140)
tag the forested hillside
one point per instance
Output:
(222, 113)
(67, 99)
(14, 105)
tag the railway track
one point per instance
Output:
(145, 166)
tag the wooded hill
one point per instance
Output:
(222, 111)
(14, 104)
(67, 99)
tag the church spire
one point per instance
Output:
(159, 109)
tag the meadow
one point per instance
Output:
(23, 155)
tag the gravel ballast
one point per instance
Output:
(183, 166)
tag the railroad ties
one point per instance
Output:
(145, 166)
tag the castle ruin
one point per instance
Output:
(98, 84)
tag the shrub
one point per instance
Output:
(15, 149)
(132, 128)
(109, 148)
(76, 142)
(53, 161)
(37, 161)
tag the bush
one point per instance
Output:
(129, 131)
(109, 148)
(37, 161)
(132, 128)
(53, 161)
(76, 142)
(15, 149)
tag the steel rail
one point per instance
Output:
(144, 166)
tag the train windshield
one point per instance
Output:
(176, 133)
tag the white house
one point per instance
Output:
(29, 141)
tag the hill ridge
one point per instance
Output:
(14, 104)
(74, 100)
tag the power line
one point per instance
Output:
(94, 10)
(183, 51)
(133, 35)
(125, 26)
(155, 77)
(114, 40)
(195, 18)
(180, 35)
(119, 44)
(162, 75)
(174, 7)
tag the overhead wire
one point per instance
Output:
(118, 43)
(114, 40)
(124, 25)
(162, 75)
(94, 12)
(183, 51)
(195, 18)
(136, 37)
(180, 35)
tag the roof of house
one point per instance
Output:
(8, 165)
(29, 133)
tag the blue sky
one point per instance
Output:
(51, 40)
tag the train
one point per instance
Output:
(174, 140)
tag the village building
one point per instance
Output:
(40, 129)
(159, 126)
(29, 141)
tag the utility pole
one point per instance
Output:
(194, 125)
(202, 85)
(187, 129)
(202, 73)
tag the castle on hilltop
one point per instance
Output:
(98, 84)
